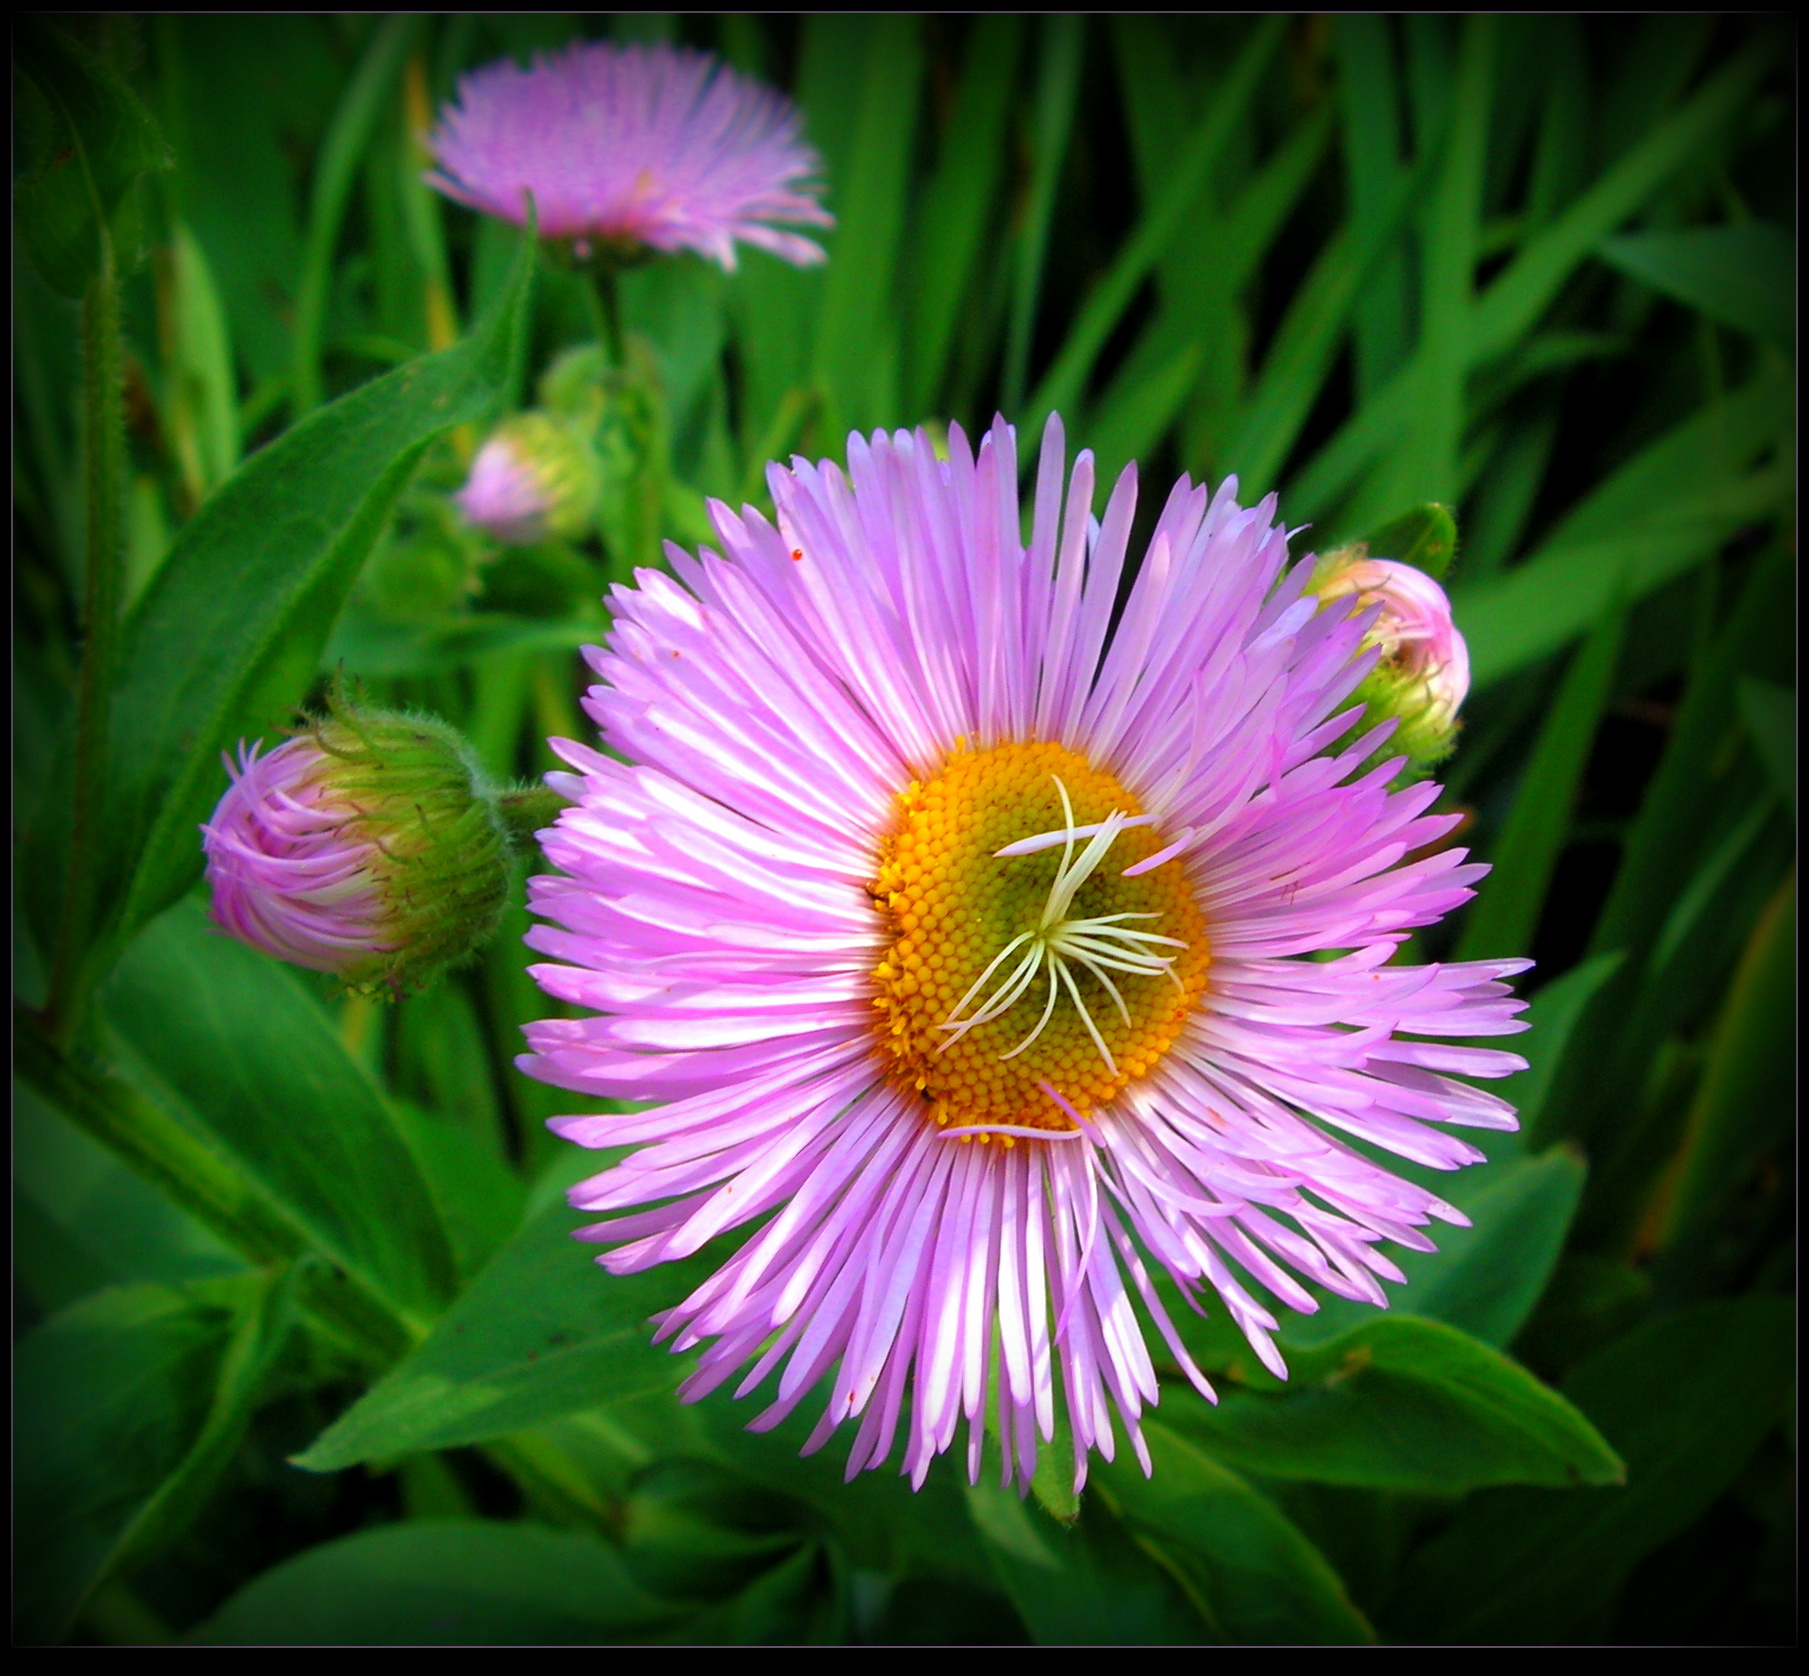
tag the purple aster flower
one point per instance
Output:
(967, 945)
(366, 848)
(656, 146)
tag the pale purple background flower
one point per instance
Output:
(1414, 629)
(503, 496)
(659, 146)
(764, 708)
(287, 873)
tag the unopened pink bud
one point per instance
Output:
(366, 848)
(1424, 665)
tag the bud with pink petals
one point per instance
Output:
(1423, 673)
(368, 847)
(535, 480)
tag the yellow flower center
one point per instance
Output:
(1045, 968)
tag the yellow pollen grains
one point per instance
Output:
(1000, 970)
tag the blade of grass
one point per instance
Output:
(1507, 909)
(340, 156)
(1369, 102)
(1516, 300)
(1662, 847)
(958, 202)
(1301, 357)
(1065, 382)
(856, 361)
(1424, 467)
(1058, 85)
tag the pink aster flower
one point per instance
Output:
(656, 146)
(965, 942)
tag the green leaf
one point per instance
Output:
(341, 153)
(227, 637)
(1686, 1401)
(1770, 713)
(856, 362)
(1742, 275)
(540, 1333)
(1424, 537)
(203, 399)
(1249, 1571)
(1399, 1404)
(458, 1583)
(257, 1067)
(117, 1438)
(879, 1521)
(1514, 302)
(1088, 1586)
(1486, 1278)
(88, 139)
(120, 1228)
(479, 1198)
(1508, 908)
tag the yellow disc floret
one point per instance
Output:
(1045, 968)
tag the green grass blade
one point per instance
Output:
(1066, 380)
(1369, 101)
(1058, 85)
(1743, 276)
(1662, 849)
(1516, 300)
(856, 360)
(958, 202)
(1507, 910)
(341, 155)
(1425, 466)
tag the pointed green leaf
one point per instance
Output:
(1248, 1569)
(454, 1583)
(1398, 1404)
(87, 139)
(1088, 1586)
(112, 1396)
(540, 1333)
(255, 1064)
(1686, 1401)
(1742, 275)
(227, 638)
(1770, 712)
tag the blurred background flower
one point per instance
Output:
(625, 146)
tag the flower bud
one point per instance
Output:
(1423, 672)
(533, 481)
(367, 847)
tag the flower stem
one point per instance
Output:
(528, 810)
(602, 291)
(104, 448)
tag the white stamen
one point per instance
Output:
(1099, 944)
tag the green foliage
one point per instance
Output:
(1508, 298)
